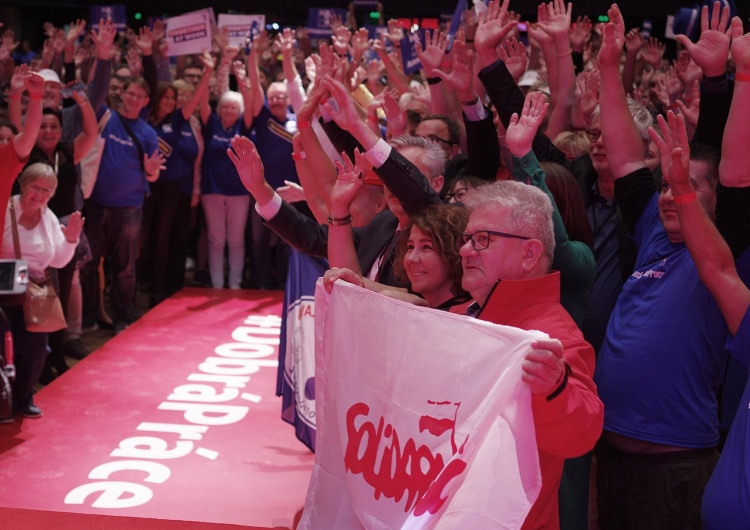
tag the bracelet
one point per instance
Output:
(685, 198)
(36, 96)
(569, 52)
(470, 103)
(299, 156)
(563, 383)
(305, 124)
(340, 221)
(742, 77)
(434, 80)
(716, 78)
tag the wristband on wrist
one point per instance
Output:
(304, 124)
(685, 198)
(434, 80)
(340, 221)
(562, 385)
(716, 78)
(36, 96)
(742, 77)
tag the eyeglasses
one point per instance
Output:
(593, 134)
(458, 195)
(481, 240)
(438, 139)
(40, 190)
(135, 96)
(278, 98)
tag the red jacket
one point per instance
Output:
(569, 424)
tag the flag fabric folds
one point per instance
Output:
(423, 420)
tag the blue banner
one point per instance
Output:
(319, 21)
(409, 50)
(456, 22)
(116, 13)
(295, 382)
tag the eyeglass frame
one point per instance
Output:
(593, 132)
(465, 238)
(438, 139)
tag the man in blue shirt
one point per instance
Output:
(130, 159)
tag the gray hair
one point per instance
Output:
(37, 171)
(433, 157)
(233, 97)
(530, 210)
(641, 116)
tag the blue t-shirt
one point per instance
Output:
(218, 174)
(659, 368)
(726, 501)
(178, 145)
(121, 181)
(274, 142)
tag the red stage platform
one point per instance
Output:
(171, 425)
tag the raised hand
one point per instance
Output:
(394, 114)
(674, 150)
(588, 86)
(361, 42)
(80, 97)
(349, 180)
(432, 55)
(152, 164)
(73, 229)
(104, 38)
(493, 27)
(513, 54)
(740, 47)
(613, 39)
(133, 58)
(76, 30)
(34, 83)
(395, 32)
(246, 159)
(460, 78)
(653, 52)
(340, 38)
(557, 22)
(18, 80)
(344, 112)
(687, 71)
(634, 41)
(291, 192)
(145, 41)
(712, 49)
(580, 33)
(208, 60)
(521, 130)
(691, 111)
(286, 40)
(9, 40)
(538, 37)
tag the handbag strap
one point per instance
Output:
(135, 140)
(14, 223)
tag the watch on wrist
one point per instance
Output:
(340, 221)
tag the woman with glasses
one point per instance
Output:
(43, 242)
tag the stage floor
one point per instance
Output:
(171, 424)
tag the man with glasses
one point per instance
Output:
(506, 256)
(130, 160)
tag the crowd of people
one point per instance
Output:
(568, 178)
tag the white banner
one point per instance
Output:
(423, 420)
(240, 26)
(190, 33)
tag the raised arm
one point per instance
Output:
(710, 253)
(625, 146)
(341, 250)
(256, 89)
(248, 96)
(734, 170)
(24, 142)
(201, 90)
(85, 140)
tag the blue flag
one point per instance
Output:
(295, 381)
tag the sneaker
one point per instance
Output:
(29, 410)
(75, 349)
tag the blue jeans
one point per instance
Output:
(115, 233)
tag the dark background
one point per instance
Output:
(26, 16)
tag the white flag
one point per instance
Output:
(423, 420)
